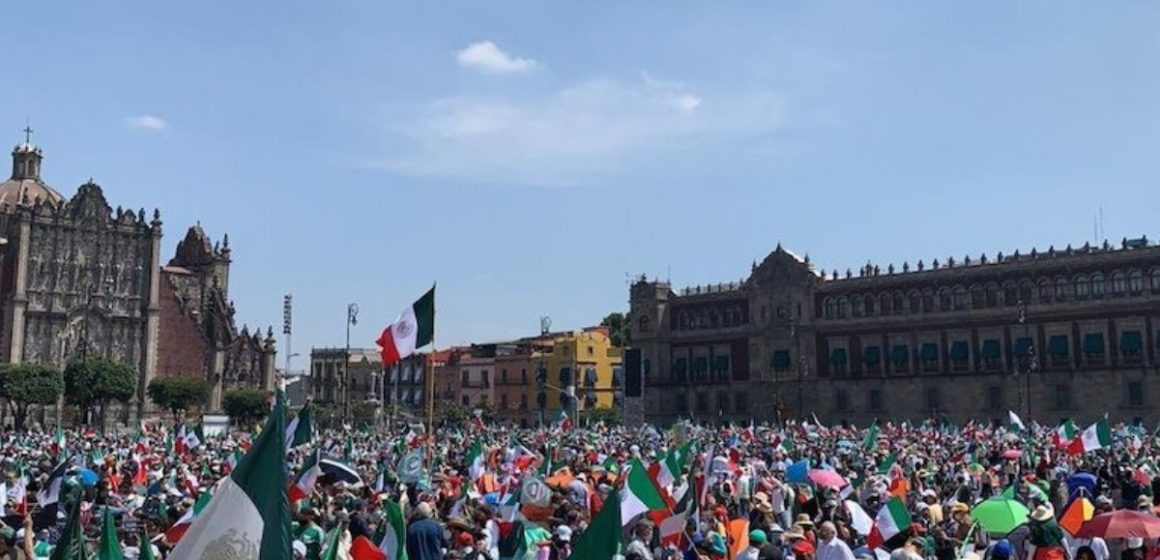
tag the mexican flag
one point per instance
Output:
(639, 495)
(71, 544)
(887, 464)
(174, 534)
(605, 535)
(786, 444)
(1064, 434)
(110, 547)
(394, 543)
(1015, 422)
(304, 485)
(476, 461)
(415, 328)
(672, 467)
(300, 430)
(249, 514)
(1097, 436)
(891, 520)
(58, 442)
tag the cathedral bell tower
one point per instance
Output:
(26, 159)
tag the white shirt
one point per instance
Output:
(1099, 547)
(834, 549)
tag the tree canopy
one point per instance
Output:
(25, 385)
(178, 394)
(246, 406)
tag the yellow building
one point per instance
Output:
(588, 360)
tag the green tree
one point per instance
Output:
(617, 324)
(246, 406)
(610, 416)
(26, 385)
(456, 414)
(178, 394)
(97, 381)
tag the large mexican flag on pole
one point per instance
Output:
(249, 515)
(415, 328)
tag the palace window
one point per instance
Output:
(1136, 282)
(915, 302)
(960, 355)
(1063, 289)
(503, 377)
(884, 303)
(870, 306)
(1044, 291)
(944, 300)
(927, 302)
(960, 298)
(858, 309)
(1010, 295)
(827, 306)
(843, 308)
(780, 361)
(900, 355)
(1131, 347)
(872, 357)
(1058, 349)
(1082, 287)
(1156, 280)
(1119, 284)
(1063, 396)
(1135, 393)
(1097, 285)
(1093, 348)
(1026, 289)
(929, 355)
(838, 360)
(992, 295)
(992, 354)
(978, 297)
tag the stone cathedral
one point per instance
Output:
(79, 277)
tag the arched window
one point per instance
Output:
(828, 308)
(857, 309)
(1010, 294)
(843, 308)
(1119, 285)
(978, 297)
(992, 295)
(1082, 287)
(884, 303)
(915, 302)
(1026, 289)
(1097, 285)
(961, 296)
(944, 299)
(642, 323)
(1044, 291)
(899, 303)
(869, 306)
(1136, 282)
(1156, 280)
(1062, 289)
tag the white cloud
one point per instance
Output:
(150, 123)
(566, 136)
(486, 56)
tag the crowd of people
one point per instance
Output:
(800, 491)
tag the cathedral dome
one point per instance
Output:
(25, 187)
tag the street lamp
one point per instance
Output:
(351, 320)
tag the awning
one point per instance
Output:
(1058, 346)
(872, 355)
(780, 359)
(1131, 342)
(991, 349)
(959, 350)
(900, 354)
(930, 352)
(1093, 343)
(1023, 346)
(838, 356)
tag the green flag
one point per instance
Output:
(338, 547)
(394, 540)
(110, 546)
(870, 443)
(887, 464)
(146, 546)
(71, 545)
(604, 537)
(249, 514)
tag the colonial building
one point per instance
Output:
(78, 277)
(1070, 332)
(403, 385)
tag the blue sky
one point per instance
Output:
(527, 155)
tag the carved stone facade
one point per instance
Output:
(1052, 334)
(79, 277)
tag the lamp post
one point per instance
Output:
(351, 320)
(1032, 363)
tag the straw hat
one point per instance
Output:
(804, 520)
(1041, 513)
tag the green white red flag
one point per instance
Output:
(415, 328)
(891, 520)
